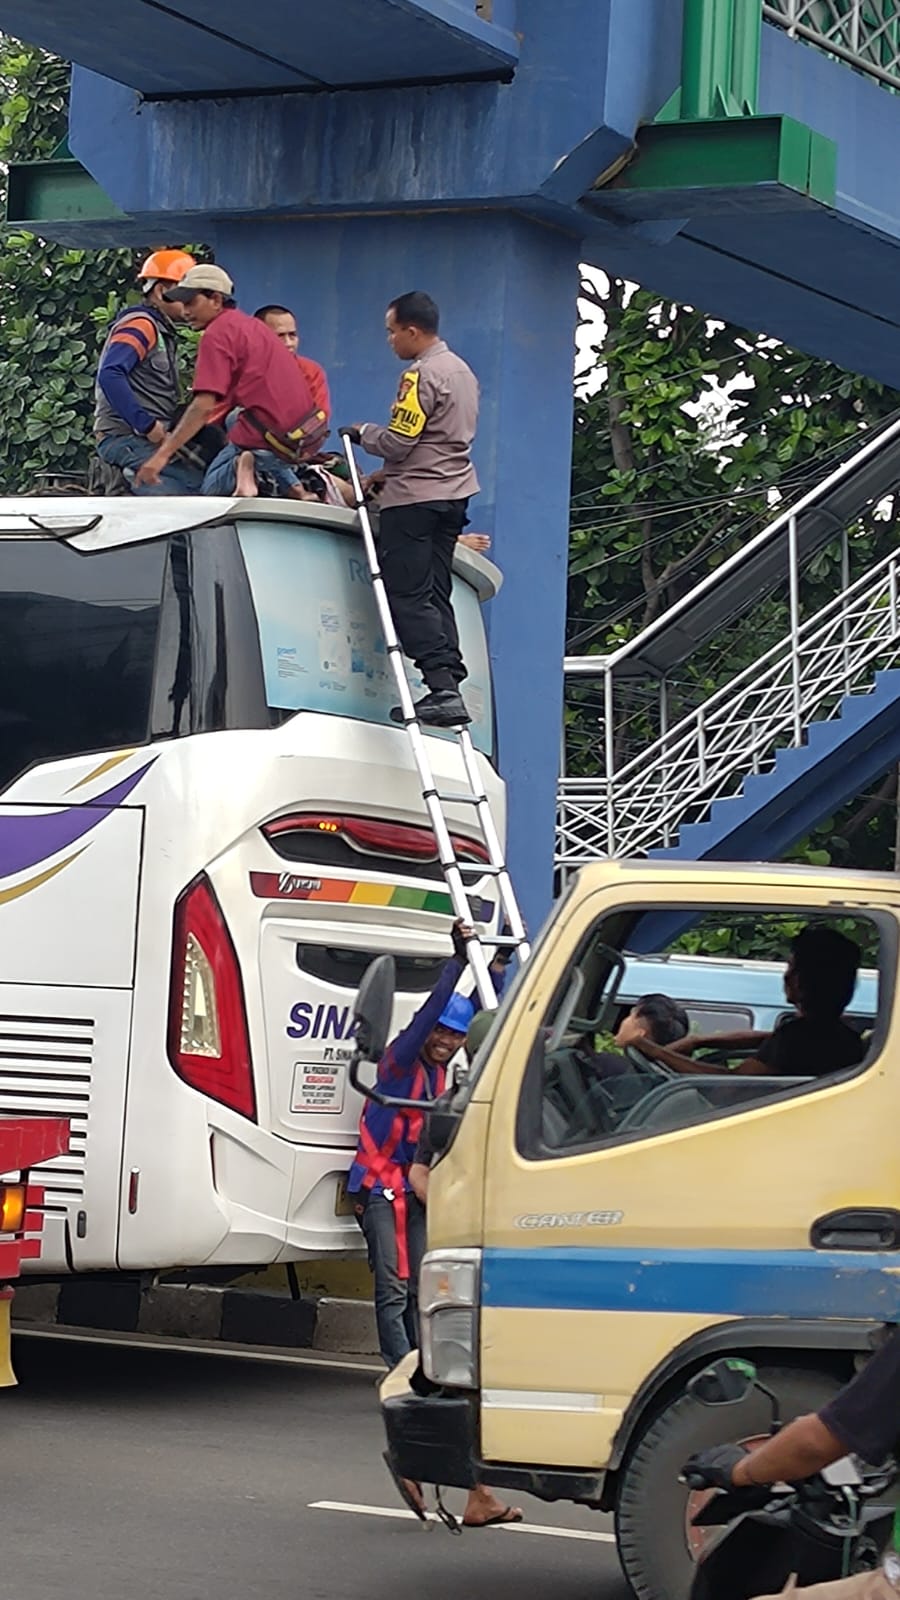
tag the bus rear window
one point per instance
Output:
(322, 645)
(77, 645)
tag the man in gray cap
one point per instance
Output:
(240, 363)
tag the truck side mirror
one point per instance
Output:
(724, 1383)
(373, 1007)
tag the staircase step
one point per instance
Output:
(806, 784)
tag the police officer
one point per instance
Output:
(424, 489)
(137, 391)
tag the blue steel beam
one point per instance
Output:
(588, 75)
(190, 47)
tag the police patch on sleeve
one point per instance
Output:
(407, 417)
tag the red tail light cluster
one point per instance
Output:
(209, 1041)
(377, 838)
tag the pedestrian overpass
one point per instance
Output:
(733, 154)
(746, 772)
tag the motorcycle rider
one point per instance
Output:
(863, 1420)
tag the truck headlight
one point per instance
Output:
(449, 1293)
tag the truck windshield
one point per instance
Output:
(77, 645)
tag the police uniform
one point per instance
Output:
(428, 480)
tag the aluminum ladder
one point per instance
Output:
(479, 945)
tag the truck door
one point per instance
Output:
(618, 1225)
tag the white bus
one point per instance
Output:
(208, 825)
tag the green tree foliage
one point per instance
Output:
(55, 302)
(675, 466)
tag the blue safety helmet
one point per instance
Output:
(457, 1014)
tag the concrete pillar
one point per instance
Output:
(507, 290)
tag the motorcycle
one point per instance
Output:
(831, 1525)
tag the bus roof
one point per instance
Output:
(91, 524)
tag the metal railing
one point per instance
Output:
(864, 33)
(738, 730)
(663, 747)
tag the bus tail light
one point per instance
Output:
(377, 838)
(12, 1207)
(209, 1041)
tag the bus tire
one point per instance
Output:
(650, 1513)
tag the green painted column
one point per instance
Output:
(720, 58)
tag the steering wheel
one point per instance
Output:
(655, 1070)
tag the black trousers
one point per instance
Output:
(416, 545)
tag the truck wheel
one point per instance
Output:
(651, 1523)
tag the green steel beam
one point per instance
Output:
(732, 153)
(57, 190)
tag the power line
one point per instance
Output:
(847, 442)
(799, 472)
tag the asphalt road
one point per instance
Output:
(136, 1474)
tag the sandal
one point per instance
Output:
(508, 1515)
(402, 1485)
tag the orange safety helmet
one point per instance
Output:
(169, 265)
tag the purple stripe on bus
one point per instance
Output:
(26, 840)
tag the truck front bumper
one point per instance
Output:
(432, 1437)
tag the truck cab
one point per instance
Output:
(594, 1241)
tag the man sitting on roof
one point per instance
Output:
(241, 364)
(138, 392)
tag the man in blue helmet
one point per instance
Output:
(414, 1067)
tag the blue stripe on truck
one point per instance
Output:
(768, 1283)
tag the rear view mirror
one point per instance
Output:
(723, 1383)
(373, 1007)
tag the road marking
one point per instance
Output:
(199, 1347)
(505, 1527)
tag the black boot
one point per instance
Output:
(441, 708)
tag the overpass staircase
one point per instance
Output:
(745, 772)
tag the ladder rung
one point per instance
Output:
(461, 877)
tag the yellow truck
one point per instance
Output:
(594, 1237)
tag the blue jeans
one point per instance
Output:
(221, 473)
(396, 1298)
(129, 452)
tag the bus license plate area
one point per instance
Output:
(318, 1086)
(343, 1202)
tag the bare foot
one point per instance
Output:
(484, 1510)
(245, 485)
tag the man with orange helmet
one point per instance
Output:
(138, 391)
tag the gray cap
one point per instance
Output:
(197, 278)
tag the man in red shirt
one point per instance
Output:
(284, 326)
(240, 363)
